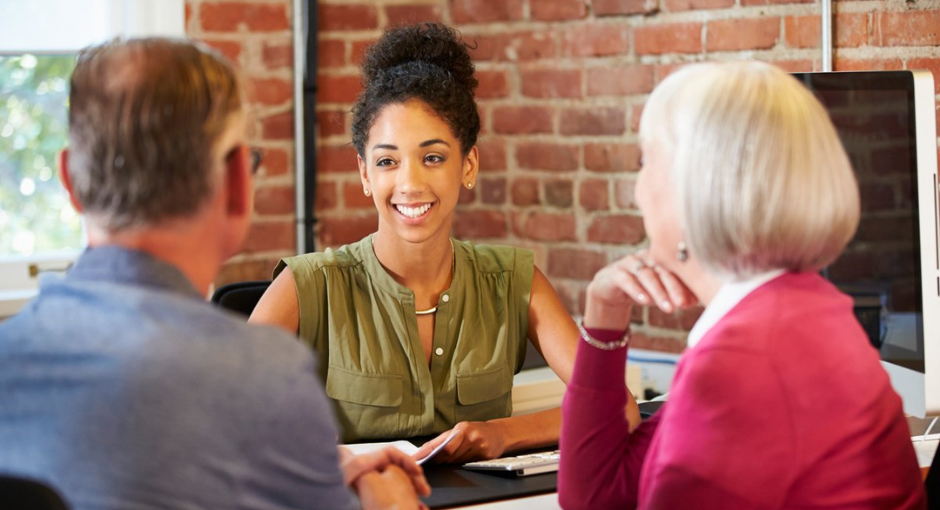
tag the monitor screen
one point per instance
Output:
(892, 265)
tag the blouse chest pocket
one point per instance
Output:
(484, 395)
(383, 390)
(367, 405)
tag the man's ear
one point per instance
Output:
(239, 191)
(66, 179)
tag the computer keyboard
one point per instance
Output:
(520, 465)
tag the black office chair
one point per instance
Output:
(240, 297)
(18, 493)
(932, 483)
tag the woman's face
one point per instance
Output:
(655, 196)
(413, 167)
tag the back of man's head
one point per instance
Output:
(143, 119)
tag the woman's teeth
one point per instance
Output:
(413, 212)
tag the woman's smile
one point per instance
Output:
(413, 211)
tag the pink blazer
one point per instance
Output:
(782, 404)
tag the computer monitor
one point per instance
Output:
(887, 123)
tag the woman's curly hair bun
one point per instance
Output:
(428, 62)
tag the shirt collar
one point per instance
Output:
(728, 296)
(122, 265)
(380, 277)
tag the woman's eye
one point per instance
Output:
(385, 162)
(434, 158)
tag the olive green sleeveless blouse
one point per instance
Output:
(362, 325)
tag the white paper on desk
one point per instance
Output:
(437, 448)
(360, 448)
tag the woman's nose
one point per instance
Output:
(410, 176)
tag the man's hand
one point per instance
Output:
(388, 490)
(473, 440)
(355, 467)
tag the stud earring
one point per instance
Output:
(367, 191)
(469, 185)
(683, 254)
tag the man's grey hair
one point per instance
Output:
(144, 115)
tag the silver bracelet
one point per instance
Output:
(604, 346)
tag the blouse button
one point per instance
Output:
(438, 351)
(445, 298)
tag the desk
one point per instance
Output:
(541, 502)
(455, 487)
(451, 483)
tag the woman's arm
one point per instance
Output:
(476, 440)
(603, 454)
(601, 459)
(279, 306)
(551, 329)
(555, 335)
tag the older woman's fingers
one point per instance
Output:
(651, 282)
(623, 279)
(680, 295)
(641, 281)
(641, 284)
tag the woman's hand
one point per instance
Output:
(473, 440)
(628, 281)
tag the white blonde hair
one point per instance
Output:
(762, 181)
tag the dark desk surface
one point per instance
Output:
(452, 486)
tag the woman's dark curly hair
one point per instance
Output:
(428, 62)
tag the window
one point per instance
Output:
(35, 214)
(39, 230)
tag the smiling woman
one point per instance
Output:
(418, 333)
(415, 175)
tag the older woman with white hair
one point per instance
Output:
(779, 401)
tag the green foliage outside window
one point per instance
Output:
(35, 214)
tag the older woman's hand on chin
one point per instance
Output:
(634, 279)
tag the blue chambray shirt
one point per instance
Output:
(123, 389)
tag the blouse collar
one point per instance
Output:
(383, 280)
(728, 296)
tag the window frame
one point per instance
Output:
(20, 275)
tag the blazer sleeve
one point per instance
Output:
(600, 459)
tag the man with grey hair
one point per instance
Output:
(121, 387)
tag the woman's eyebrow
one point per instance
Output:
(432, 142)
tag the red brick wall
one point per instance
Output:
(563, 83)
(258, 37)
